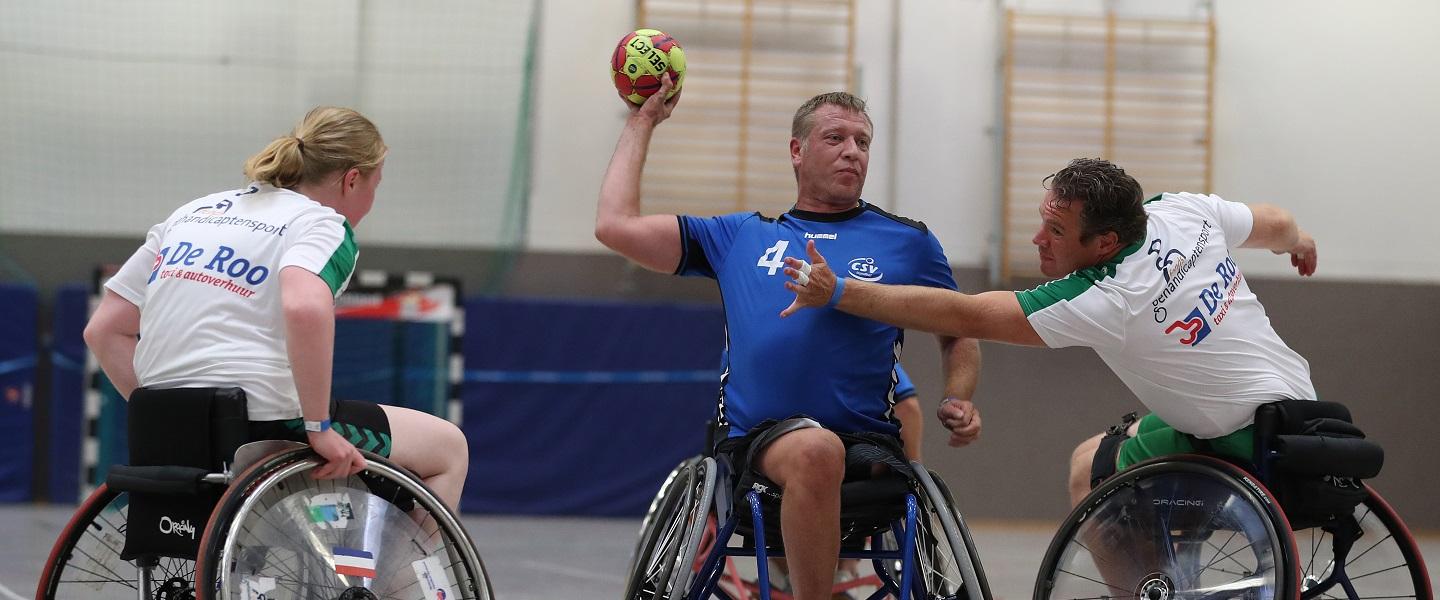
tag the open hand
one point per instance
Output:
(962, 418)
(812, 282)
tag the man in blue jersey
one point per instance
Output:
(806, 400)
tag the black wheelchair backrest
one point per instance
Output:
(1313, 457)
(192, 427)
(1311, 436)
(176, 435)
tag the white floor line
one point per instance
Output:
(9, 595)
(573, 572)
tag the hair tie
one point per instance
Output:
(299, 143)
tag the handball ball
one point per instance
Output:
(640, 58)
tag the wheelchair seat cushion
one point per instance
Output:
(867, 506)
(863, 450)
(868, 502)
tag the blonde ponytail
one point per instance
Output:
(328, 140)
(280, 164)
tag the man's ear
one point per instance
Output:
(1109, 242)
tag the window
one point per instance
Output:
(1137, 92)
(750, 64)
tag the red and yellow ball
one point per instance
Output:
(639, 60)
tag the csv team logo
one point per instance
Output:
(865, 269)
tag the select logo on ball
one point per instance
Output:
(639, 61)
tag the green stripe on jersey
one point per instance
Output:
(342, 263)
(1072, 285)
(1155, 199)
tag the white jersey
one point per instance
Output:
(207, 281)
(1175, 319)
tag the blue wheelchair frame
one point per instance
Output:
(903, 528)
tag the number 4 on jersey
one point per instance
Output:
(774, 256)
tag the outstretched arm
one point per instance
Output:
(993, 316)
(1275, 230)
(652, 241)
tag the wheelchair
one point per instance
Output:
(905, 527)
(1296, 523)
(199, 513)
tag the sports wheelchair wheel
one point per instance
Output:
(1192, 527)
(85, 562)
(1383, 563)
(664, 560)
(945, 555)
(279, 532)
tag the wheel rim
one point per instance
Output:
(1382, 563)
(297, 537)
(88, 564)
(1177, 534)
(658, 565)
(934, 557)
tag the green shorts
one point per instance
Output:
(1156, 438)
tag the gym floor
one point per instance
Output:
(547, 558)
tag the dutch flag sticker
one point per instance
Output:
(354, 562)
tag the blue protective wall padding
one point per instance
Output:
(18, 358)
(576, 408)
(67, 390)
(581, 408)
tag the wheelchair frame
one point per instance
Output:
(709, 510)
(1293, 580)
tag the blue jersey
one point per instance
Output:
(836, 368)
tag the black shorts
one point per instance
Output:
(862, 450)
(363, 423)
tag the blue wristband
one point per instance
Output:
(317, 426)
(835, 295)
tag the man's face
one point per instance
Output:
(832, 160)
(1058, 240)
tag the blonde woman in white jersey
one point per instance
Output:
(1151, 286)
(237, 289)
